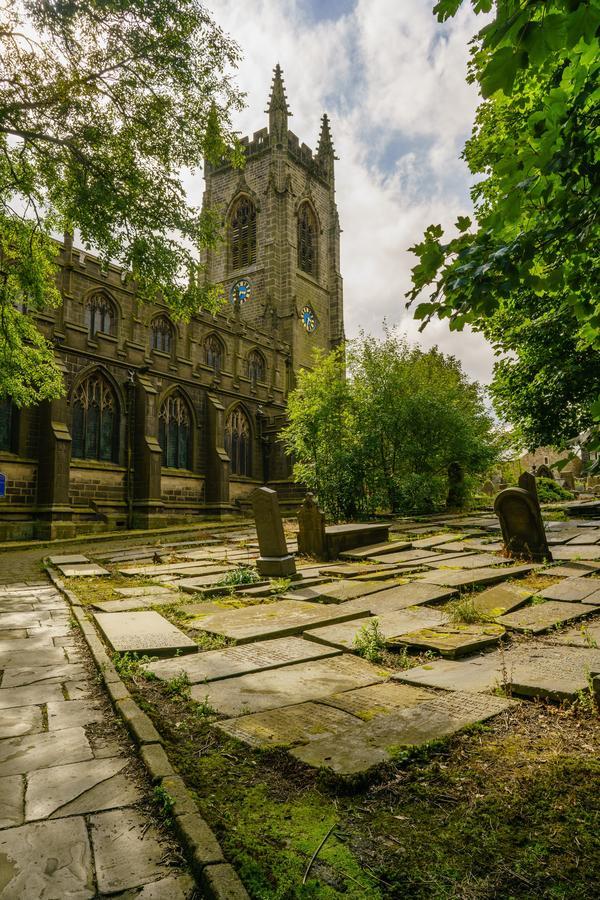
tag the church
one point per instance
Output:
(164, 422)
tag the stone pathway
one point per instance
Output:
(75, 819)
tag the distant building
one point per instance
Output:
(161, 421)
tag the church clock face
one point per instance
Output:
(309, 319)
(241, 291)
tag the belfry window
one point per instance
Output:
(95, 426)
(100, 315)
(174, 432)
(307, 240)
(242, 230)
(238, 442)
(256, 367)
(161, 335)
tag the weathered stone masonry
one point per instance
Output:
(163, 421)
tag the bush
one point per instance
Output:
(549, 491)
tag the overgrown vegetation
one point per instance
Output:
(369, 642)
(240, 575)
(549, 491)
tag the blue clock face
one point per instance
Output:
(241, 291)
(309, 319)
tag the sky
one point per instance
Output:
(392, 80)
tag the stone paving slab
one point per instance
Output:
(19, 721)
(243, 659)
(338, 591)
(381, 549)
(12, 792)
(390, 625)
(403, 596)
(289, 685)
(573, 590)
(279, 619)
(350, 570)
(70, 713)
(68, 559)
(405, 556)
(51, 792)
(437, 540)
(144, 633)
(476, 577)
(50, 860)
(465, 561)
(501, 599)
(590, 536)
(453, 641)
(544, 616)
(379, 741)
(31, 695)
(580, 551)
(127, 853)
(83, 570)
(12, 620)
(570, 570)
(23, 656)
(39, 751)
(37, 675)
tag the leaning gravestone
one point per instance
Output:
(544, 471)
(518, 509)
(311, 534)
(274, 560)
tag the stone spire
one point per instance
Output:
(278, 109)
(325, 150)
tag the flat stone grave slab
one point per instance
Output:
(17, 722)
(132, 603)
(543, 616)
(83, 570)
(78, 788)
(452, 640)
(172, 568)
(436, 540)
(215, 665)
(580, 551)
(476, 577)
(478, 674)
(404, 595)
(466, 561)
(348, 570)
(267, 589)
(574, 590)
(150, 590)
(379, 741)
(47, 859)
(337, 591)
(390, 625)
(382, 549)
(127, 852)
(144, 633)
(288, 726)
(374, 700)
(590, 536)
(567, 571)
(200, 582)
(279, 619)
(405, 556)
(40, 751)
(587, 634)
(501, 599)
(289, 685)
(555, 673)
(68, 559)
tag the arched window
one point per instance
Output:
(243, 234)
(174, 432)
(7, 424)
(238, 442)
(95, 426)
(100, 315)
(213, 353)
(307, 240)
(256, 367)
(161, 334)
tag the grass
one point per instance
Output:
(464, 612)
(369, 642)
(241, 575)
(131, 665)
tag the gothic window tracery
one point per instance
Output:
(307, 240)
(256, 367)
(238, 442)
(174, 432)
(161, 334)
(243, 234)
(100, 315)
(213, 353)
(95, 420)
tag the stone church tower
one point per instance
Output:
(280, 259)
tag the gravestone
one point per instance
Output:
(274, 560)
(489, 488)
(144, 633)
(544, 471)
(518, 510)
(311, 534)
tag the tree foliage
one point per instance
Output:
(103, 106)
(385, 436)
(535, 150)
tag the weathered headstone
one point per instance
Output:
(143, 632)
(274, 560)
(544, 471)
(518, 510)
(311, 534)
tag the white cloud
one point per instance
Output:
(393, 82)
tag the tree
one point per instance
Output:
(103, 104)
(385, 436)
(534, 246)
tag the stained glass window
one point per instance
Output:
(95, 424)
(161, 335)
(307, 240)
(6, 425)
(243, 234)
(213, 353)
(100, 315)
(174, 432)
(256, 367)
(238, 442)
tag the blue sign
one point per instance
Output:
(2, 484)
